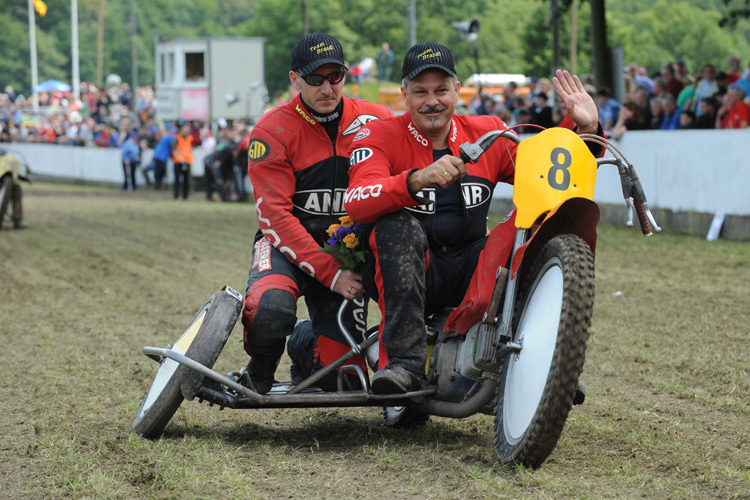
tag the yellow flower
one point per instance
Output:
(332, 229)
(346, 221)
(351, 241)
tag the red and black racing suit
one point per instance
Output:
(298, 168)
(431, 249)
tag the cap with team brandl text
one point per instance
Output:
(315, 50)
(424, 56)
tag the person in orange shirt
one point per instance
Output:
(182, 156)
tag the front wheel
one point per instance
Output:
(202, 341)
(551, 322)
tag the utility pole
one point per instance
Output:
(32, 50)
(133, 48)
(555, 18)
(100, 46)
(602, 58)
(74, 49)
(305, 25)
(412, 23)
(574, 37)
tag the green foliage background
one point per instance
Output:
(514, 36)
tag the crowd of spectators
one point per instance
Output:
(670, 99)
(101, 117)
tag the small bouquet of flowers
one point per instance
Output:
(345, 244)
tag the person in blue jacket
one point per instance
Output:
(131, 158)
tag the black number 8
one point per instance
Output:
(559, 167)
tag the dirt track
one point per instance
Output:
(101, 273)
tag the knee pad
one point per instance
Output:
(271, 317)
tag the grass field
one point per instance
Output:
(101, 273)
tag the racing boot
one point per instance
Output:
(395, 380)
(259, 372)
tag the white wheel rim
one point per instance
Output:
(528, 371)
(163, 376)
(170, 366)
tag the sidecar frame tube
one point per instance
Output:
(291, 399)
(315, 399)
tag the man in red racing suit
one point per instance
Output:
(426, 212)
(298, 165)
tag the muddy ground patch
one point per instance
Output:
(99, 274)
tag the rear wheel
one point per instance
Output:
(404, 416)
(6, 187)
(202, 341)
(538, 384)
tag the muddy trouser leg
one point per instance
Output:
(16, 196)
(271, 303)
(395, 273)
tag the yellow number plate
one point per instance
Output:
(551, 167)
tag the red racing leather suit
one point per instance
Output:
(299, 178)
(382, 158)
(299, 175)
(462, 270)
(384, 153)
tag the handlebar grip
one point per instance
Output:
(464, 157)
(640, 210)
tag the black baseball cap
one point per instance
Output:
(315, 50)
(424, 56)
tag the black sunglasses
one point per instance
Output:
(317, 80)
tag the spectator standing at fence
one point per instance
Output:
(656, 106)
(609, 108)
(182, 156)
(385, 60)
(707, 119)
(674, 85)
(671, 120)
(706, 87)
(541, 113)
(733, 70)
(682, 73)
(162, 154)
(734, 112)
(629, 118)
(131, 158)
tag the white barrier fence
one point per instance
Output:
(687, 171)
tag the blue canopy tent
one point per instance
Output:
(52, 86)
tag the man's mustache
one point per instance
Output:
(433, 109)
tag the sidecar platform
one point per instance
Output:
(225, 392)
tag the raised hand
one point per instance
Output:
(581, 107)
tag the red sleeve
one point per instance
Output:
(375, 189)
(273, 181)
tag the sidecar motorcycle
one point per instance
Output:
(520, 363)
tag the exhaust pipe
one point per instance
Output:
(464, 409)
